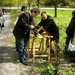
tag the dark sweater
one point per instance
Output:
(49, 25)
(22, 28)
(71, 27)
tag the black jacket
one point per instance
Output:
(71, 27)
(22, 28)
(49, 25)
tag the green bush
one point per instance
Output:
(50, 70)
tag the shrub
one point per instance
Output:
(50, 70)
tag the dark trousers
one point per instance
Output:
(20, 46)
(57, 49)
(67, 42)
(56, 39)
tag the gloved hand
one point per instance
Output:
(39, 35)
(32, 27)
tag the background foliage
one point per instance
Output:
(36, 2)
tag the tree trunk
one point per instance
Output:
(55, 11)
(29, 7)
(38, 3)
(18, 4)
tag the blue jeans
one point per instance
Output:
(20, 46)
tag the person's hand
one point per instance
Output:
(39, 35)
(32, 27)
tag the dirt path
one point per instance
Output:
(9, 63)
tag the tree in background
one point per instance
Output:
(40, 3)
(68, 3)
(22, 2)
(57, 3)
(29, 3)
(13, 2)
(19, 2)
(1, 2)
(54, 3)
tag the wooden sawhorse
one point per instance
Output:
(45, 51)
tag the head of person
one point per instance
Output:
(44, 15)
(24, 8)
(34, 12)
(73, 13)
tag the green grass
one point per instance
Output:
(60, 13)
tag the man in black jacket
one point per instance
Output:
(22, 30)
(49, 25)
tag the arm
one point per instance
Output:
(39, 24)
(23, 22)
(47, 24)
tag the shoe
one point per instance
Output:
(39, 36)
(24, 62)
